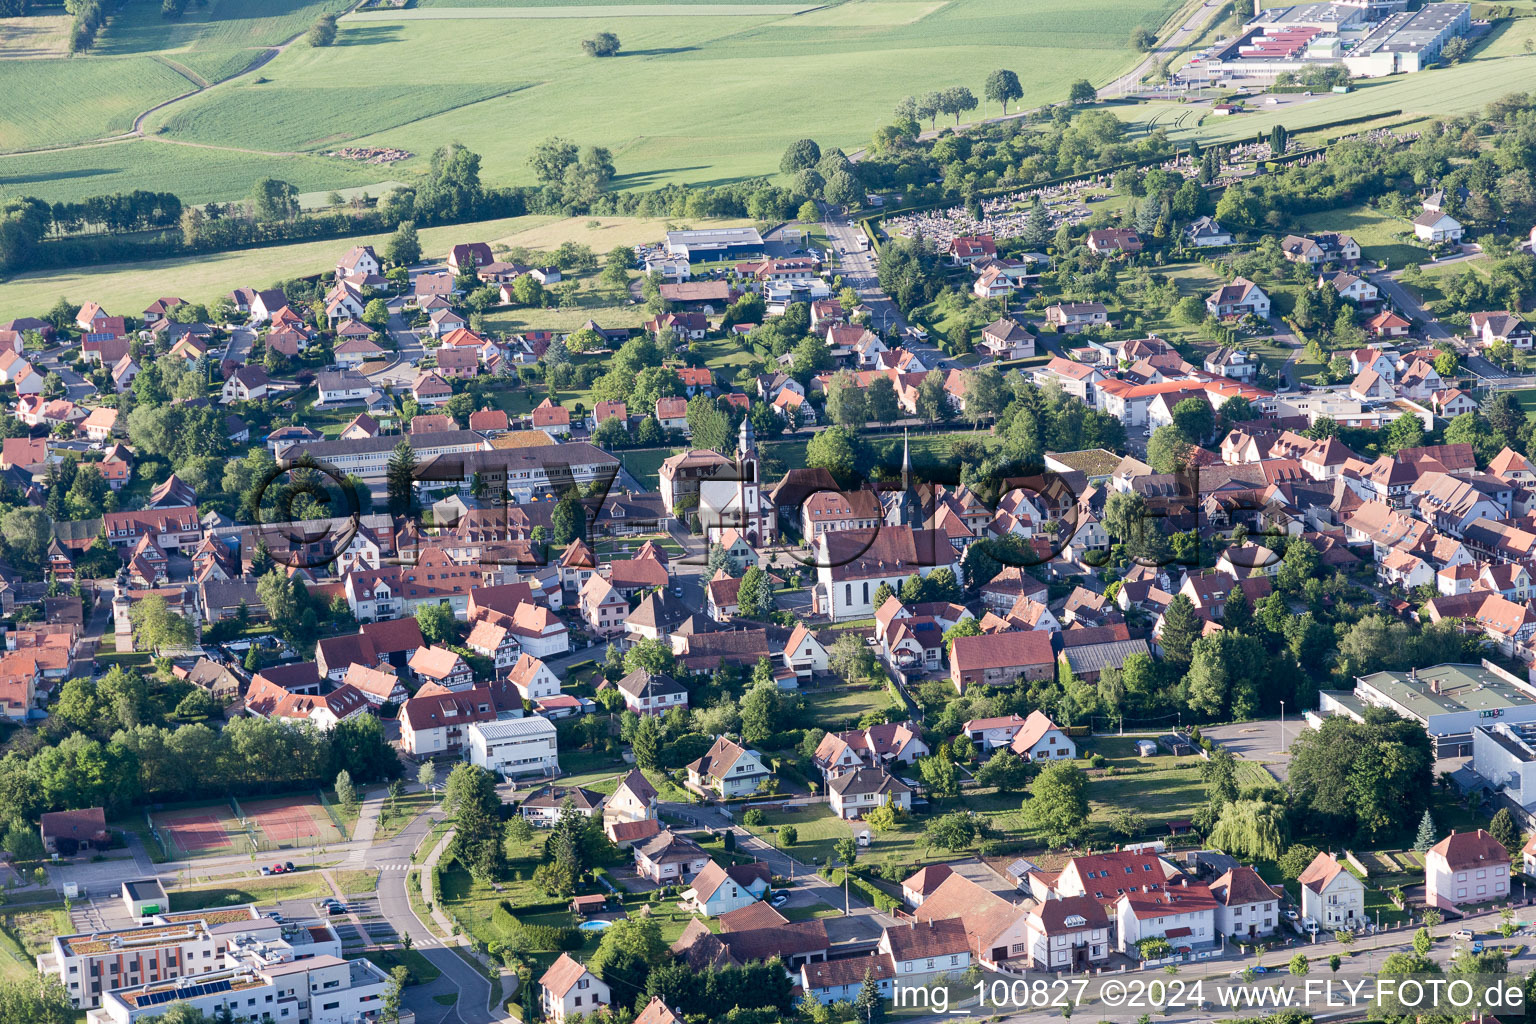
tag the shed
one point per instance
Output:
(584, 905)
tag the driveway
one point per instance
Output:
(1259, 741)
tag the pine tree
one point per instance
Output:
(869, 1007)
(401, 477)
(1503, 829)
(1426, 837)
(1181, 628)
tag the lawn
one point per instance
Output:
(1376, 232)
(203, 278)
(645, 465)
(301, 886)
(395, 815)
(353, 883)
(644, 104)
(836, 708)
(422, 970)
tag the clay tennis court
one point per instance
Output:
(197, 831)
(292, 821)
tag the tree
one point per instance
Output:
(400, 479)
(1058, 806)
(156, 627)
(1002, 86)
(274, 200)
(393, 1001)
(1502, 828)
(470, 796)
(957, 100)
(1423, 942)
(323, 31)
(846, 405)
(1426, 836)
(834, 449)
(404, 246)
(36, 999)
(1299, 965)
(967, 626)
(932, 399)
(1181, 628)
(1195, 419)
(755, 598)
(1005, 770)
(426, 775)
(1082, 91)
(1278, 137)
(604, 44)
(1168, 449)
(346, 793)
(938, 773)
(953, 831)
(1253, 829)
(437, 624)
(802, 153)
(869, 1007)
(1142, 39)
(880, 403)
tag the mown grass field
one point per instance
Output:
(683, 102)
(1377, 233)
(130, 286)
(102, 98)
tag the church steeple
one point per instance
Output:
(746, 442)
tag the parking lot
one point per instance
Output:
(1258, 741)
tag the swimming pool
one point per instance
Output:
(594, 926)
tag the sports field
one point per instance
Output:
(206, 831)
(291, 822)
(701, 92)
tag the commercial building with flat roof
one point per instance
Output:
(715, 243)
(1448, 700)
(514, 746)
(1504, 753)
(1370, 39)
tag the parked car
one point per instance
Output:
(266, 870)
(780, 898)
(1464, 935)
(288, 866)
(278, 869)
(335, 910)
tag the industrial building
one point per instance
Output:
(1450, 701)
(715, 244)
(1371, 40)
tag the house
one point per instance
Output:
(568, 990)
(1001, 659)
(718, 890)
(967, 250)
(668, 858)
(853, 794)
(340, 387)
(841, 981)
(1006, 338)
(921, 949)
(359, 261)
(1114, 241)
(672, 414)
(1247, 907)
(804, 654)
(687, 326)
(1433, 227)
(1356, 289)
(1466, 867)
(465, 257)
(1387, 324)
(1236, 363)
(442, 666)
(728, 770)
(354, 352)
(1067, 934)
(67, 833)
(1240, 298)
(534, 680)
(602, 606)
(1331, 895)
(1318, 249)
(1072, 317)
(543, 807)
(840, 510)
(430, 390)
(1205, 231)
(1501, 325)
(1183, 914)
(247, 384)
(1040, 739)
(435, 723)
(652, 693)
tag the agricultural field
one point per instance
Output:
(103, 99)
(40, 36)
(643, 104)
(203, 278)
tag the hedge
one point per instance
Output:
(881, 901)
(534, 937)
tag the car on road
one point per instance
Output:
(288, 866)
(1464, 935)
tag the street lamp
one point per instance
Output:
(1282, 727)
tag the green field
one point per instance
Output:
(1377, 233)
(687, 100)
(130, 286)
(102, 98)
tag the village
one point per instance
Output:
(1100, 580)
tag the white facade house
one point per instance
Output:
(727, 770)
(853, 794)
(1466, 867)
(533, 679)
(514, 746)
(652, 693)
(569, 991)
(1246, 907)
(921, 949)
(1431, 226)
(1182, 915)
(1331, 895)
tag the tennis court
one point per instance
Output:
(291, 822)
(197, 831)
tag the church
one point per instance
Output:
(724, 493)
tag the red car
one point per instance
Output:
(278, 869)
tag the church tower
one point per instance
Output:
(749, 501)
(911, 501)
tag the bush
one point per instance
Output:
(754, 818)
(534, 937)
(1096, 761)
(878, 897)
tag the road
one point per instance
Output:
(1408, 305)
(1131, 80)
(858, 269)
(76, 388)
(241, 340)
(408, 348)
